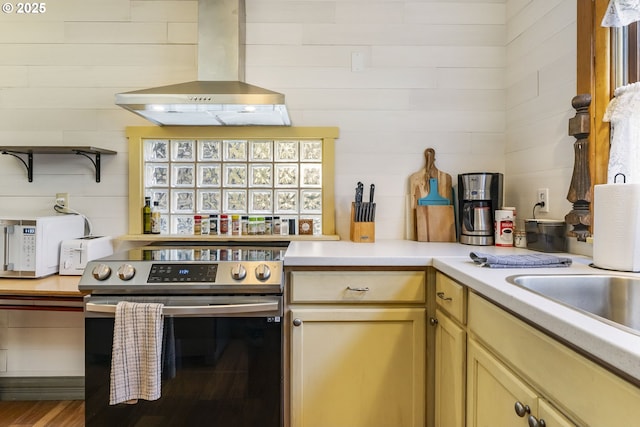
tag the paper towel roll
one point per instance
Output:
(616, 226)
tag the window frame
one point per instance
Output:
(594, 76)
(137, 134)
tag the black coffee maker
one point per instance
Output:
(479, 196)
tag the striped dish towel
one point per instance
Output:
(519, 261)
(136, 354)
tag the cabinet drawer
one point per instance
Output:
(451, 297)
(357, 286)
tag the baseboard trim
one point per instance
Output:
(41, 388)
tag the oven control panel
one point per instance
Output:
(187, 270)
(205, 273)
(147, 277)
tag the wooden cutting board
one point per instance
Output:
(431, 223)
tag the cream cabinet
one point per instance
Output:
(513, 373)
(450, 352)
(512, 363)
(498, 398)
(357, 348)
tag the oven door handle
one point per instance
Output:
(197, 310)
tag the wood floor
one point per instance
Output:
(42, 413)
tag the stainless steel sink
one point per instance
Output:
(614, 299)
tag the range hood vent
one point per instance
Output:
(219, 97)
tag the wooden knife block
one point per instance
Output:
(361, 232)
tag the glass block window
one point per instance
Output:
(233, 176)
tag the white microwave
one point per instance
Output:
(31, 246)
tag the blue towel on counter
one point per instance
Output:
(519, 261)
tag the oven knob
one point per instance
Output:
(101, 272)
(238, 272)
(263, 272)
(126, 272)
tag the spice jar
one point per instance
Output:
(253, 226)
(213, 225)
(206, 225)
(244, 225)
(224, 224)
(197, 224)
(235, 225)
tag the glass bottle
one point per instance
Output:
(155, 218)
(146, 216)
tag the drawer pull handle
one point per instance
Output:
(521, 409)
(349, 288)
(534, 422)
(442, 297)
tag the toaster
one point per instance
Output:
(75, 253)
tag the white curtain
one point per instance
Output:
(623, 112)
(621, 13)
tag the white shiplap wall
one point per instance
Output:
(540, 82)
(433, 76)
(59, 72)
(488, 84)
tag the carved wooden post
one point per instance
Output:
(580, 188)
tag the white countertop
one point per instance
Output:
(616, 347)
(382, 253)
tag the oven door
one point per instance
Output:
(221, 363)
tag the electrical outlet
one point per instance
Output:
(543, 197)
(62, 200)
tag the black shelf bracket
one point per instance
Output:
(96, 162)
(88, 152)
(28, 164)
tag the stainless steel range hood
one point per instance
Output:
(219, 97)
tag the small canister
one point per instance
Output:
(504, 227)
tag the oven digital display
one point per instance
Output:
(172, 273)
(29, 230)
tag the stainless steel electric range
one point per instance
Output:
(222, 344)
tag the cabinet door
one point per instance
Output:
(551, 417)
(450, 362)
(357, 367)
(493, 392)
